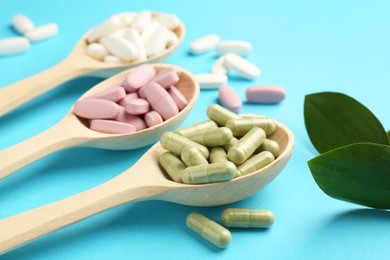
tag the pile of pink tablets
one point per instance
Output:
(144, 99)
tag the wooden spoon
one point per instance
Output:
(144, 181)
(76, 64)
(72, 131)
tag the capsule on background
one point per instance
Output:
(241, 126)
(172, 165)
(212, 137)
(246, 145)
(192, 129)
(269, 145)
(247, 218)
(217, 154)
(191, 156)
(209, 230)
(214, 172)
(255, 163)
(175, 143)
(220, 114)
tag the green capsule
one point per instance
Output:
(212, 137)
(191, 156)
(175, 143)
(231, 143)
(247, 218)
(172, 165)
(214, 172)
(269, 145)
(242, 126)
(191, 129)
(255, 163)
(246, 145)
(209, 230)
(217, 154)
(220, 114)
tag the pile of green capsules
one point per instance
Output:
(219, 149)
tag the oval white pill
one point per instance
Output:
(149, 31)
(22, 23)
(157, 42)
(120, 47)
(219, 66)
(170, 21)
(135, 38)
(97, 51)
(13, 45)
(108, 26)
(241, 66)
(172, 39)
(204, 44)
(126, 17)
(141, 20)
(241, 48)
(112, 59)
(42, 32)
(211, 81)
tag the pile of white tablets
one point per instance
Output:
(132, 36)
(30, 33)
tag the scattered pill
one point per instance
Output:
(153, 118)
(255, 163)
(191, 156)
(175, 144)
(179, 99)
(160, 100)
(13, 45)
(217, 154)
(97, 51)
(112, 127)
(247, 218)
(204, 44)
(220, 114)
(137, 106)
(229, 99)
(219, 66)
(208, 173)
(269, 145)
(241, 48)
(246, 146)
(22, 23)
(265, 94)
(115, 93)
(172, 165)
(212, 137)
(138, 77)
(241, 66)
(92, 108)
(192, 129)
(211, 81)
(42, 32)
(209, 230)
(240, 126)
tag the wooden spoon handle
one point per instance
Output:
(14, 95)
(24, 227)
(53, 139)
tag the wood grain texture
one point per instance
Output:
(76, 64)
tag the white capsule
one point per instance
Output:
(22, 23)
(172, 39)
(241, 48)
(108, 26)
(204, 44)
(112, 59)
(219, 66)
(211, 81)
(141, 20)
(170, 21)
(135, 38)
(149, 31)
(120, 47)
(13, 45)
(126, 17)
(97, 51)
(42, 32)
(241, 66)
(157, 42)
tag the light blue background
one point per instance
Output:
(304, 46)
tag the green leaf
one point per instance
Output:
(333, 120)
(358, 173)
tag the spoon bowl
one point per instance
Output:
(72, 131)
(145, 180)
(76, 64)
